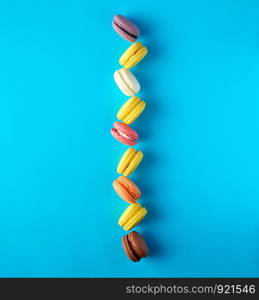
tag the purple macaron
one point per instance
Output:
(125, 28)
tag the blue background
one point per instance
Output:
(199, 135)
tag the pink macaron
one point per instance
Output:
(123, 133)
(125, 28)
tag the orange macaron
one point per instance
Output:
(126, 189)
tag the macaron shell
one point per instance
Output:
(126, 189)
(131, 109)
(130, 80)
(122, 33)
(136, 58)
(132, 216)
(127, 107)
(122, 84)
(135, 219)
(122, 139)
(129, 53)
(127, 24)
(125, 129)
(126, 82)
(125, 28)
(125, 160)
(130, 252)
(133, 55)
(138, 244)
(133, 164)
(129, 211)
(135, 113)
(130, 186)
(124, 194)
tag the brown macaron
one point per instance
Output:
(134, 246)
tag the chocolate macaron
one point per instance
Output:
(125, 28)
(134, 246)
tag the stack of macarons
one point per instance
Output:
(133, 243)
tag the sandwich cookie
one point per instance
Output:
(129, 162)
(123, 133)
(133, 55)
(125, 28)
(131, 109)
(126, 82)
(134, 246)
(126, 189)
(132, 216)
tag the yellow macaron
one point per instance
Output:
(129, 162)
(133, 215)
(131, 109)
(133, 55)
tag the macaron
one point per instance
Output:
(129, 161)
(124, 134)
(126, 82)
(125, 28)
(132, 216)
(131, 110)
(134, 246)
(126, 189)
(133, 55)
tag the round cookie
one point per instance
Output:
(134, 246)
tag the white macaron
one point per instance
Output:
(126, 82)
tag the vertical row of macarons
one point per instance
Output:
(133, 243)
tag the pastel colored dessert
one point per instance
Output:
(125, 28)
(133, 55)
(132, 216)
(131, 109)
(126, 82)
(129, 162)
(126, 189)
(124, 134)
(134, 246)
